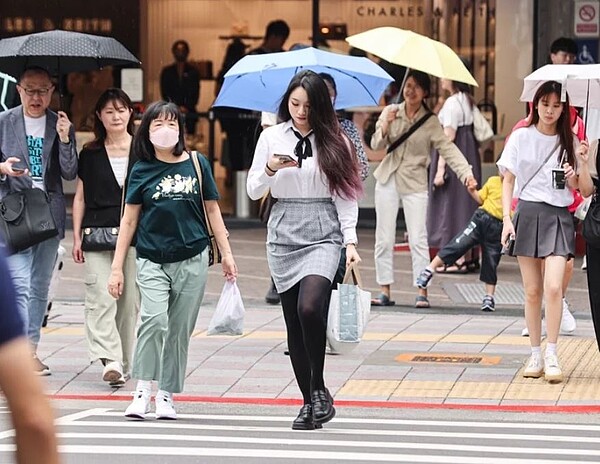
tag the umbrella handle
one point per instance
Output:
(397, 98)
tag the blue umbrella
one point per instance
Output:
(257, 82)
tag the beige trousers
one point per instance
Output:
(109, 323)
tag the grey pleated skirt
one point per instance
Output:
(303, 238)
(543, 230)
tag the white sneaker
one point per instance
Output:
(525, 331)
(164, 405)
(584, 264)
(535, 367)
(567, 323)
(140, 406)
(112, 372)
(552, 371)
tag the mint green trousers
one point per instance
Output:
(171, 296)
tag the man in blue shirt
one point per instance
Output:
(32, 416)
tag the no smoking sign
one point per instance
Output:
(587, 22)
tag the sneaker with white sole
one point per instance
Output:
(535, 367)
(140, 406)
(567, 323)
(165, 408)
(525, 331)
(488, 304)
(552, 371)
(112, 372)
(424, 278)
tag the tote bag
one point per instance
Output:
(349, 311)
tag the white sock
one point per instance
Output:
(430, 269)
(144, 385)
(536, 350)
(550, 348)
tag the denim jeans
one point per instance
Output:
(31, 271)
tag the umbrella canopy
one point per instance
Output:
(581, 82)
(257, 82)
(415, 51)
(62, 52)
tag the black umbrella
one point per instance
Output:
(61, 52)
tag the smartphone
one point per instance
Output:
(285, 158)
(17, 169)
(509, 247)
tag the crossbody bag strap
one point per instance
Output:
(395, 144)
(196, 163)
(541, 166)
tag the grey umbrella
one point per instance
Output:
(61, 52)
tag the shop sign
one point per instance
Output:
(587, 22)
(389, 9)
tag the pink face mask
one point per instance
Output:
(164, 137)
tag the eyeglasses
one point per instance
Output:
(40, 92)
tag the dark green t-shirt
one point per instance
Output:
(172, 225)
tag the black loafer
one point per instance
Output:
(322, 405)
(305, 420)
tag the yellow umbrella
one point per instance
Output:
(415, 51)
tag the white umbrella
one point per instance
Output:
(580, 81)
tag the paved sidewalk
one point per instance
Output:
(448, 355)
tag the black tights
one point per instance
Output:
(305, 308)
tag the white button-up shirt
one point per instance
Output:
(293, 182)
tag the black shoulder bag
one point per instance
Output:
(26, 219)
(591, 223)
(400, 140)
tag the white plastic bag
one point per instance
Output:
(349, 311)
(228, 318)
(583, 207)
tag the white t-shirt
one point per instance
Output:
(456, 111)
(523, 154)
(35, 129)
(119, 167)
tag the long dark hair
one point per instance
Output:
(116, 97)
(563, 125)
(464, 88)
(337, 160)
(141, 141)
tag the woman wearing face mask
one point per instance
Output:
(163, 202)
(309, 166)
(104, 165)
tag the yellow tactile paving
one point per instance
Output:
(267, 335)
(466, 338)
(368, 388)
(414, 337)
(479, 390)
(509, 340)
(581, 389)
(427, 384)
(419, 393)
(537, 389)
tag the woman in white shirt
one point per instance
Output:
(104, 165)
(311, 169)
(541, 158)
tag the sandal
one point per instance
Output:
(422, 302)
(455, 268)
(382, 300)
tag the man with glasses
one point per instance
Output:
(37, 148)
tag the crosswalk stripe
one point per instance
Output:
(282, 454)
(343, 431)
(411, 422)
(340, 443)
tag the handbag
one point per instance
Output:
(591, 224)
(26, 219)
(481, 127)
(349, 311)
(102, 238)
(265, 206)
(214, 254)
(228, 318)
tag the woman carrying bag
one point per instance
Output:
(311, 169)
(104, 165)
(164, 202)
